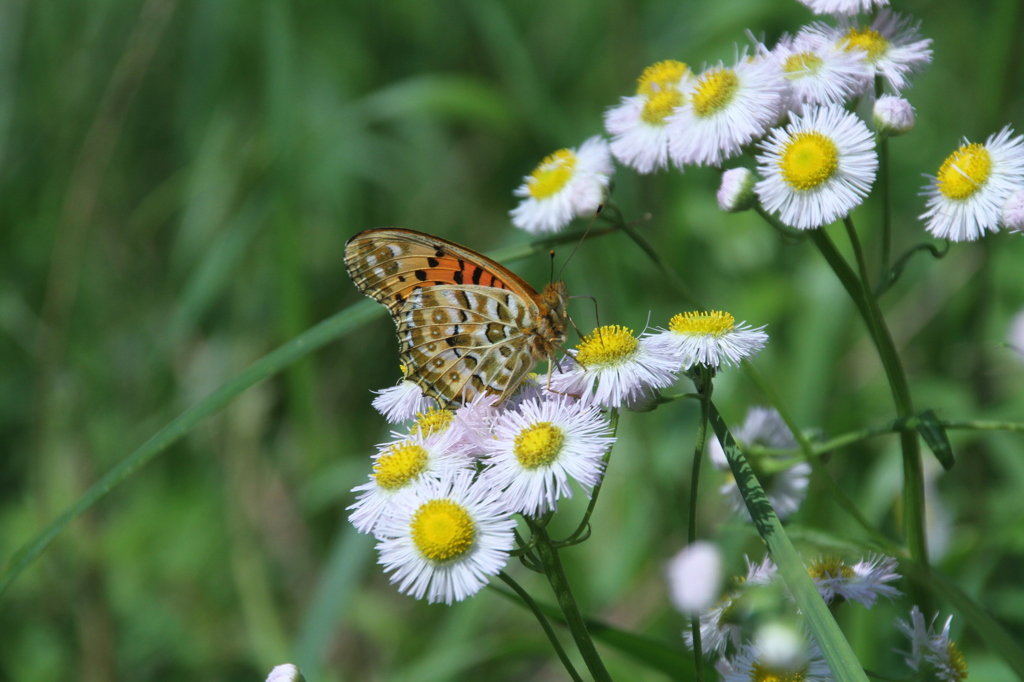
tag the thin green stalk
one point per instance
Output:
(705, 389)
(883, 180)
(983, 425)
(574, 620)
(681, 286)
(585, 521)
(913, 470)
(545, 625)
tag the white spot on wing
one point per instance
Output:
(371, 261)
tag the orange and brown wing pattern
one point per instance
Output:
(459, 341)
(466, 324)
(389, 264)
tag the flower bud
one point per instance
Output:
(695, 577)
(893, 115)
(737, 190)
(781, 646)
(285, 673)
(1013, 212)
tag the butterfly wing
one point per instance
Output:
(466, 324)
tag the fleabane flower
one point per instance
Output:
(638, 125)
(932, 652)
(540, 446)
(401, 464)
(861, 582)
(402, 401)
(694, 577)
(708, 338)
(566, 184)
(285, 673)
(724, 109)
(892, 43)
(752, 664)
(785, 489)
(611, 367)
(967, 197)
(817, 168)
(444, 538)
(819, 71)
(842, 6)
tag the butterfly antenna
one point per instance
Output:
(551, 274)
(600, 207)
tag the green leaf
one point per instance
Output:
(837, 651)
(934, 433)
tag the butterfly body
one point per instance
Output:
(466, 324)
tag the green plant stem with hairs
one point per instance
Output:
(704, 387)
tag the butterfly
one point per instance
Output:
(466, 325)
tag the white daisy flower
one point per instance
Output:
(1015, 335)
(400, 464)
(1013, 212)
(786, 489)
(638, 124)
(736, 193)
(843, 6)
(722, 624)
(611, 367)
(818, 168)
(694, 577)
(285, 673)
(967, 197)
(565, 185)
(538, 447)
(862, 582)
(402, 402)
(444, 538)
(931, 652)
(819, 71)
(893, 44)
(750, 665)
(893, 115)
(711, 339)
(724, 109)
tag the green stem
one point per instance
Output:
(913, 470)
(785, 230)
(525, 596)
(585, 521)
(883, 179)
(705, 389)
(983, 425)
(573, 619)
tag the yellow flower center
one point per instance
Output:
(715, 323)
(965, 171)
(442, 530)
(800, 64)
(808, 160)
(867, 39)
(660, 76)
(402, 463)
(552, 174)
(715, 89)
(538, 445)
(956, 661)
(762, 673)
(660, 104)
(606, 345)
(829, 567)
(432, 421)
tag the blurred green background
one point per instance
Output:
(178, 182)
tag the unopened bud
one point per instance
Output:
(285, 673)
(737, 190)
(893, 115)
(1013, 212)
(695, 577)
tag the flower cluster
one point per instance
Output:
(816, 159)
(442, 495)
